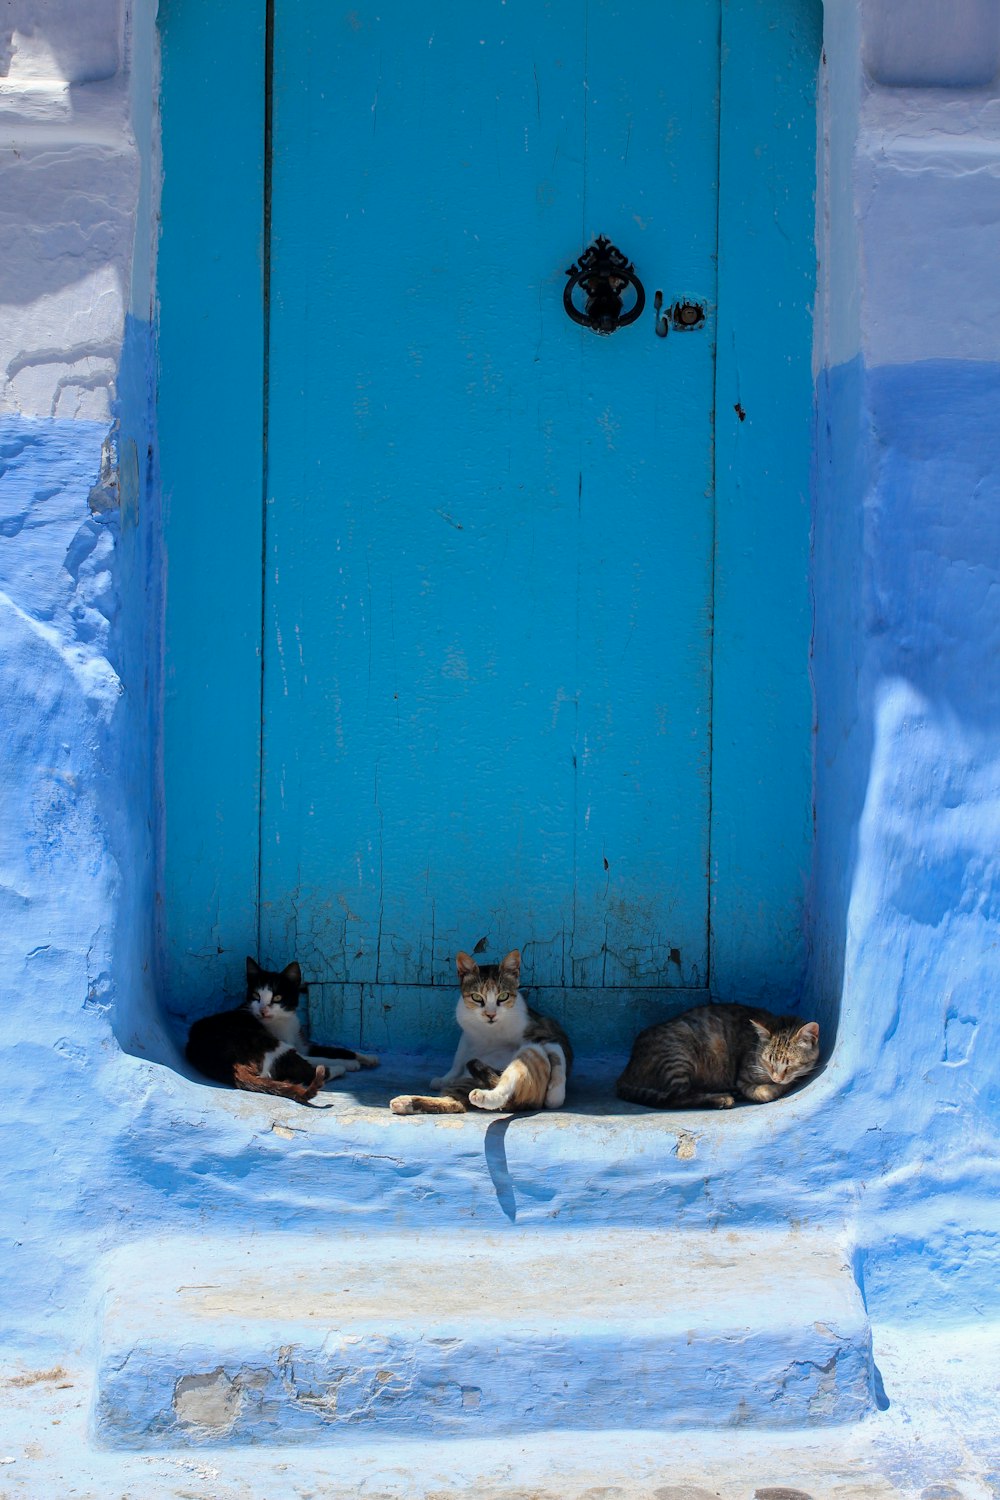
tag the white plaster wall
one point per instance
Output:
(838, 307)
(928, 180)
(67, 41)
(908, 222)
(69, 181)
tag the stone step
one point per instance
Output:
(293, 1338)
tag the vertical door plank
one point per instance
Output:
(210, 403)
(418, 768)
(646, 523)
(762, 744)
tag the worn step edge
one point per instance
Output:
(299, 1340)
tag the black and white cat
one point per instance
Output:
(259, 1045)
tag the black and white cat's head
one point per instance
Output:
(273, 995)
(489, 991)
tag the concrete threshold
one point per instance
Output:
(289, 1338)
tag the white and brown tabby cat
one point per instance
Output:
(259, 1045)
(508, 1056)
(706, 1056)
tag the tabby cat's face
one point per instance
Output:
(270, 991)
(490, 991)
(789, 1052)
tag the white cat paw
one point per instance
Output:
(351, 1065)
(483, 1099)
(334, 1070)
(556, 1096)
(402, 1104)
(367, 1060)
(438, 1083)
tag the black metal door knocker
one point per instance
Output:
(602, 273)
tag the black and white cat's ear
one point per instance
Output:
(511, 966)
(760, 1029)
(293, 974)
(465, 965)
(253, 968)
(809, 1033)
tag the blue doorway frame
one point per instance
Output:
(211, 397)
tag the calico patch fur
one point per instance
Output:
(509, 1057)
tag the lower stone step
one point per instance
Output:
(292, 1339)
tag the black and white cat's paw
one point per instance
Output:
(333, 1069)
(366, 1060)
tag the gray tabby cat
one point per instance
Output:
(508, 1056)
(706, 1056)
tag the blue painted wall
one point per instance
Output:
(895, 1144)
(907, 803)
(894, 1147)
(62, 924)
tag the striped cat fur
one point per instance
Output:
(707, 1056)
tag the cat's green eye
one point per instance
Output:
(478, 999)
(502, 996)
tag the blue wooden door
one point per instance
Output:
(488, 531)
(522, 679)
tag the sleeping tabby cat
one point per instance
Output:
(508, 1057)
(259, 1045)
(706, 1056)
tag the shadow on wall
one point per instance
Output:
(136, 653)
(843, 734)
(907, 638)
(76, 44)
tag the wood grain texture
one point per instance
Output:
(493, 702)
(489, 531)
(762, 747)
(210, 400)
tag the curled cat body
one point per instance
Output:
(706, 1056)
(259, 1045)
(509, 1057)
